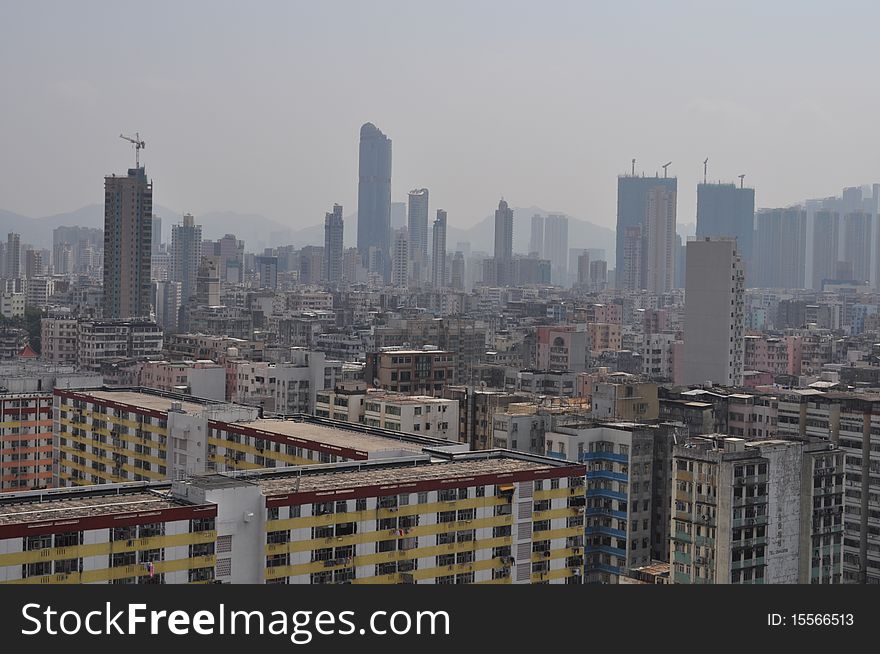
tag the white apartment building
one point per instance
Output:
(411, 414)
(714, 313)
(288, 387)
(12, 305)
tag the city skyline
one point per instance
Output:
(744, 121)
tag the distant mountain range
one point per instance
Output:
(260, 232)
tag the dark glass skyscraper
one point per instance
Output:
(725, 210)
(633, 195)
(374, 199)
(781, 248)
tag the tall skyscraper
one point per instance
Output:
(503, 261)
(417, 222)
(632, 209)
(128, 237)
(556, 248)
(857, 243)
(536, 239)
(400, 258)
(62, 259)
(166, 304)
(374, 198)
(598, 274)
(727, 210)
(659, 266)
(826, 238)
(267, 269)
(333, 245)
(156, 244)
(230, 253)
(417, 230)
(458, 271)
(503, 231)
(629, 270)
(398, 215)
(208, 282)
(781, 246)
(583, 270)
(33, 264)
(438, 251)
(714, 313)
(186, 254)
(13, 256)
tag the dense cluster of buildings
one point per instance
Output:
(690, 410)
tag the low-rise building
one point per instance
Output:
(204, 379)
(412, 414)
(12, 304)
(426, 371)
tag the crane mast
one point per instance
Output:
(138, 144)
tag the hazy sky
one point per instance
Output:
(256, 107)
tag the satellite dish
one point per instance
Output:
(376, 382)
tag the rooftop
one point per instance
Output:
(152, 401)
(19, 508)
(415, 471)
(340, 436)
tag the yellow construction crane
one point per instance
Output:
(138, 144)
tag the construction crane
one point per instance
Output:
(741, 180)
(664, 167)
(705, 168)
(138, 144)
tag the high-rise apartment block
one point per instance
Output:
(780, 248)
(857, 244)
(333, 245)
(826, 241)
(727, 210)
(438, 251)
(502, 264)
(756, 512)
(648, 203)
(128, 235)
(417, 222)
(714, 313)
(536, 238)
(556, 247)
(186, 253)
(455, 518)
(400, 258)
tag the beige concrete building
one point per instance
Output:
(420, 372)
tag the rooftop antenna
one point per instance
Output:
(138, 144)
(634, 168)
(664, 167)
(705, 167)
(741, 180)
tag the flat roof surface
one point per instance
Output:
(71, 506)
(393, 474)
(408, 399)
(146, 400)
(339, 437)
